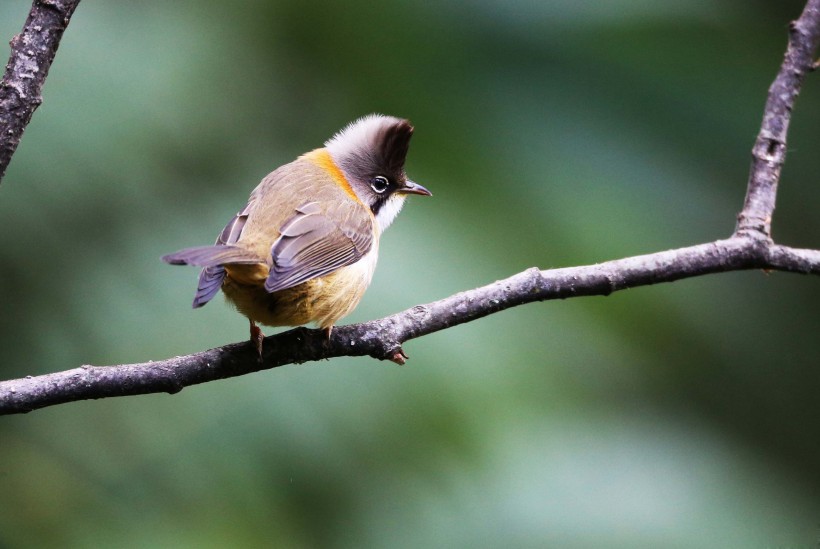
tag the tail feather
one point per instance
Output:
(210, 281)
(212, 256)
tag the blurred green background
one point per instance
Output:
(551, 133)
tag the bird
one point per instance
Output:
(304, 248)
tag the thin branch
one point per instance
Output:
(769, 151)
(749, 248)
(382, 339)
(32, 52)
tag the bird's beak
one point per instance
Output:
(411, 187)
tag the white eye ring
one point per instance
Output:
(379, 184)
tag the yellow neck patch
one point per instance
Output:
(322, 158)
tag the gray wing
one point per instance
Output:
(311, 245)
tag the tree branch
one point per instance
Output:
(750, 247)
(382, 339)
(769, 150)
(32, 52)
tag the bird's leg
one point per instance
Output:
(328, 331)
(257, 337)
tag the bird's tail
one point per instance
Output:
(211, 256)
(213, 259)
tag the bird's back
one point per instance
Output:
(323, 299)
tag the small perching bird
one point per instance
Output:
(304, 248)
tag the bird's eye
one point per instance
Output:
(379, 184)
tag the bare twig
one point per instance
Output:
(750, 247)
(769, 151)
(32, 52)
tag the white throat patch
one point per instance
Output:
(389, 211)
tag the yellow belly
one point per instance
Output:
(322, 300)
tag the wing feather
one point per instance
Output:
(311, 244)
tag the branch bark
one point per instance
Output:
(32, 52)
(769, 150)
(750, 247)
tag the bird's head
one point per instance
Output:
(371, 151)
